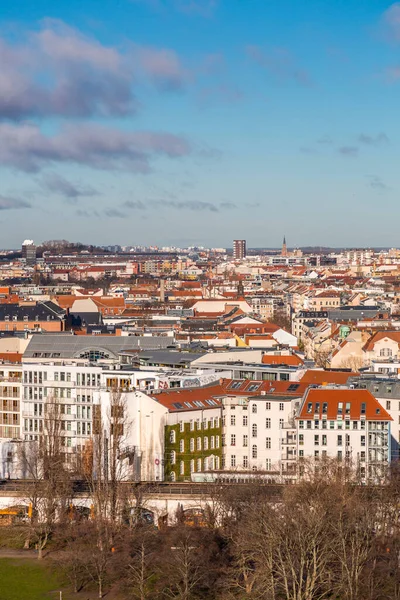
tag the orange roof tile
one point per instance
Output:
(313, 405)
(381, 335)
(320, 377)
(290, 360)
(230, 387)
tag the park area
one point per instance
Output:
(23, 577)
(26, 578)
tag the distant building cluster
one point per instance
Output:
(227, 362)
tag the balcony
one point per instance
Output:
(289, 440)
(290, 424)
(289, 457)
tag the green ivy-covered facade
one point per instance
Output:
(191, 447)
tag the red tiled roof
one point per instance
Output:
(315, 399)
(324, 377)
(12, 357)
(381, 335)
(174, 400)
(290, 360)
(230, 387)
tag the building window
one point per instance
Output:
(268, 443)
(198, 445)
(217, 441)
(212, 442)
(244, 420)
(173, 457)
(387, 404)
(205, 443)
(245, 441)
(385, 352)
(268, 464)
(181, 426)
(191, 425)
(324, 440)
(281, 406)
(339, 440)
(233, 460)
(233, 440)
(181, 445)
(254, 451)
(254, 408)
(172, 436)
(363, 440)
(192, 466)
(254, 430)
(268, 423)
(245, 462)
(172, 476)
(198, 465)
(233, 420)
(281, 423)
(268, 405)
(182, 468)
(191, 444)
(301, 439)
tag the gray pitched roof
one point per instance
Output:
(72, 346)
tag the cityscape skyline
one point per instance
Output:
(116, 126)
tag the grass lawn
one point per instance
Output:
(27, 579)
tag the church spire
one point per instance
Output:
(284, 247)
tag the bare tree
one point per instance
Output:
(352, 362)
(105, 468)
(322, 357)
(43, 461)
(140, 569)
(184, 564)
(353, 532)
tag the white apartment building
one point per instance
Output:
(10, 417)
(387, 391)
(252, 430)
(347, 424)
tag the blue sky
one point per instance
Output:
(178, 122)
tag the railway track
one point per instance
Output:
(80, 487)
